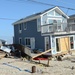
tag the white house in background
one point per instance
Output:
(3, 42)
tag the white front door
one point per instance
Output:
(46, 43)
(32, 43)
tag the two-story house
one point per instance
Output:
(45, 30)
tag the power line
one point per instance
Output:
(50, 4)
(41, 3)
(37, 3)
(65, 2)
(7, 19)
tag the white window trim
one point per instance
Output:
(73, 42)
(24, 26)
(37, 25)
(20, 31)
(54, 19)
(53, 15)
(27, 38)
(30, 42)
(19, 40)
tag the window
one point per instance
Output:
(38, 24)
(20, 40)
(71, 43)
(55, 25)
(50, 21)
(20, 27)
(25, 25)
(57, 14)
(51, 13)
(27, 42)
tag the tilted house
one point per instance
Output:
(45, 30)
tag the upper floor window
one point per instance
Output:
(55, 25)
(51, 13)
(57, 14)
(25, 25)
(20, 27)
(38, 24)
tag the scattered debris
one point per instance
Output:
(33, 69)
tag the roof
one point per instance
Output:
(33, 15)
(37, 14)
(72, 16)
(2, 40)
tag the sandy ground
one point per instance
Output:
(15, 66)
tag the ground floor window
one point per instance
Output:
(71, 43)
(27, 41)
(30, 42)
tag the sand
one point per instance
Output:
(15, 66)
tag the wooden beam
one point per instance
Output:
(41, 54)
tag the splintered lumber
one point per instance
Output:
(41, 53)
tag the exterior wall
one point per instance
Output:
(31, 31)
(52, 16)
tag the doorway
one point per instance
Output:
(62, 44)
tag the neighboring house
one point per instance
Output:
(71, 22)
(2, 42)
(45, 30)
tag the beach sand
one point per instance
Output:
(15, 66)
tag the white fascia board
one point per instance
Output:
(47, 11)
(25, 20)
(63, 13)
(58, 11)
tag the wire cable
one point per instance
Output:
(50, 4)
(7, 19)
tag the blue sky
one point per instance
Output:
(17, 9)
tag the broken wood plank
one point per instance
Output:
(41, 53)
